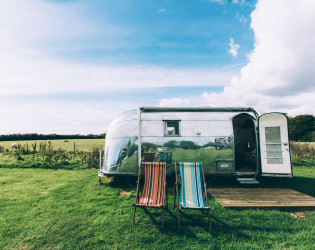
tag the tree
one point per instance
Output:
(302, 127)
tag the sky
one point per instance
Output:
(71, 66)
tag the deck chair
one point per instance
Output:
(154, 188)
(193, 192)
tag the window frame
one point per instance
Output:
(166, 128)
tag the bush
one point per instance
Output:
(48, 158)
(302, 151)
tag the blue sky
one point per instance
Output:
(71, 66)
(168, 33)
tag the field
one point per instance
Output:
(55, 154)
(60, 208)
(80, 144)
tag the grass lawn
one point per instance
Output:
(45, 208)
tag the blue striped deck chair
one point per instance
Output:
(154, 188)
(193, 192)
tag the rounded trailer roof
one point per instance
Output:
(132, 114)
(197, 109)
(125, 115)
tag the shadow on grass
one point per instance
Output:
(191, 220)
(301, 184)
(120, 182)
(189, 224)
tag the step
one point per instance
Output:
(251, 174)
(245, 180)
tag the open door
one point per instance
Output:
(274, 145)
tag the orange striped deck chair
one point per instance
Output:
(154, 188)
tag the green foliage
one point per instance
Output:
(171, 144)
(188, 145)
(302, 128)
(147, 146)
(181, 144)
(45, 156)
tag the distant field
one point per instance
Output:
(310, 144)
(80, 144)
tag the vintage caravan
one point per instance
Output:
(229, 141)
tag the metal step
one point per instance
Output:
(247, 179)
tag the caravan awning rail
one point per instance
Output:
(197, 109)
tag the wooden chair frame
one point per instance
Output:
(164, 198)
(176, 196)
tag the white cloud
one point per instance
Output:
(280, 72)
(8, 120)
(159, 11)
(49, 116)
(37, 74)
(239, 1)
(33, 26)
(218, 1)
(92, 111)
(233, 48)
(241, 18)
(174, 102)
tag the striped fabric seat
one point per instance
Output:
(154, 184)
(192, 188)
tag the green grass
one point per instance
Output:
(80, 144)
(45, 208)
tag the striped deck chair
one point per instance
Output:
(193, 194)
(154, 188)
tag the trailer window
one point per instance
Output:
(273, 145)
(171, 128)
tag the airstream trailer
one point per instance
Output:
(229, 141)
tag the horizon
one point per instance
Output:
(72, 66)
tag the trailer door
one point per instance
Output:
(274, 145)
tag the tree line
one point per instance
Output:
(302, 128)
(34, 136)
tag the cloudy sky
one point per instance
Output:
(70, 66)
